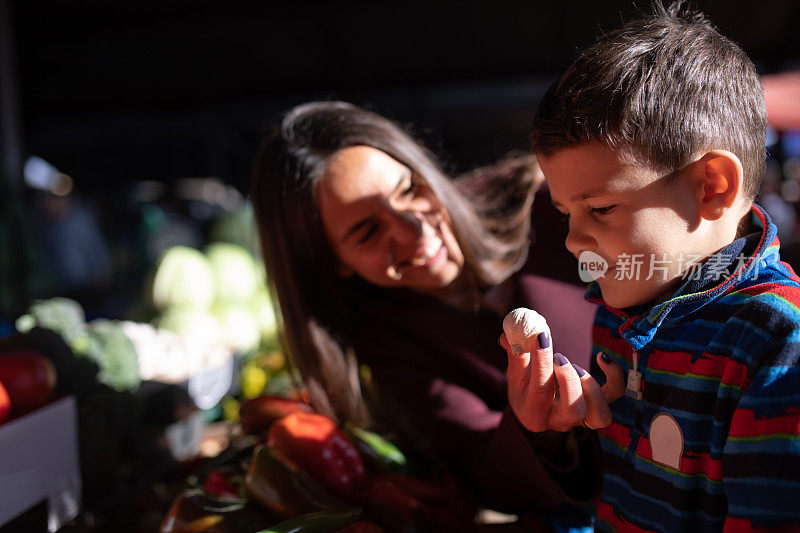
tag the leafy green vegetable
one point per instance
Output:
(239, 326)
(234, 271)
(264, 314)
(114, 353)
(183, 279)
(377, 451)
(196, 324)
(62, 315)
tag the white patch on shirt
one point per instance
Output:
(666, 441)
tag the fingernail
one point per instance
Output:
(581, 372)
(606, 358)
(544, 340)
(559, 359)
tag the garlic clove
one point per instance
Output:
(521, 327)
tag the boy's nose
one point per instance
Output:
(578, 240)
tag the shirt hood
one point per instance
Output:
(741, 260)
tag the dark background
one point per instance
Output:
(131, 97)
(149, 89)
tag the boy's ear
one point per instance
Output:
(717, 177)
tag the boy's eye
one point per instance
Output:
(562, 215)
(602, 210)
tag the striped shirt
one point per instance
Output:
(713, 443)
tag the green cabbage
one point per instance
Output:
(234, 271)
(196, 325)
(264, 314)
(239, 326)
(183, 278)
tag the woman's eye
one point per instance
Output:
(602, 210)
(369, 234)
(412, 187)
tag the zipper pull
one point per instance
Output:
(633, 389)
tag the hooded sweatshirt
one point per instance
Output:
(707, 437)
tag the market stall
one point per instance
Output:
(182, 416)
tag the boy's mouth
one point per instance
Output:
(592, 266)
(609, 274)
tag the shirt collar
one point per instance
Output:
(740, 260)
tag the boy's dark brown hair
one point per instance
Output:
(661, 89)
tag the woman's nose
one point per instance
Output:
(407, 226)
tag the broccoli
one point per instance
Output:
(114, 353)
(62, 315)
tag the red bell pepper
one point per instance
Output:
(318, 446)
(258, 413)
(220, 483)
(276, 483)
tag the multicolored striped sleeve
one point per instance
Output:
(761, 463)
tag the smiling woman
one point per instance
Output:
(345, 202)
(376, 258)
(386, 225)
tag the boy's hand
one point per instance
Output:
(547, 392)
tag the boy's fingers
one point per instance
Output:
(569, 409)
(614, 387)
(598, 414)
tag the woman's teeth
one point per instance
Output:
(432, 248)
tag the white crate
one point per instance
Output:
(39, 461)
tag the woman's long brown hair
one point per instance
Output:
(489, 211)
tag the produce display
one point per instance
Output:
(216, 303)
(282, 467)
(302, 472)
(101, 344)
(217, 296)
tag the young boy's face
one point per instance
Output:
(627, 214)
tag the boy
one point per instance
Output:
(652, 143)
